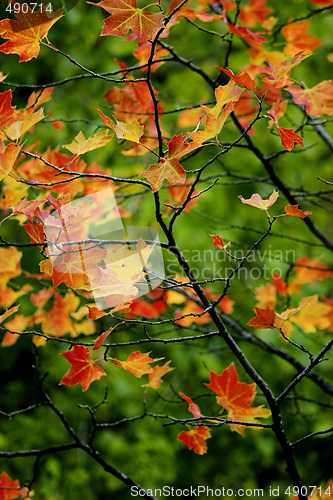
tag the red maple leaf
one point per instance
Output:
(195, 439)
(288, 136)
(264, 319)
(83, 370)
(26, 34)
(236, 397)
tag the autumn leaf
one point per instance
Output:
(254, 12)
(313, 315)
(265, 318)
(288, 136)
(294, 210)
(236, 397)
(279, 74)
(7, 116)
(169, 167)
(195, 439)
(81, 145)
(28, 208)
(131, 130)
(242, 78)
(95, 312)
(155, 377)
(193, 408)
(100, 339)
(137, 363)
(8, 156)
(317, 101)
(127, 16)
(9, 489)
(258, 202)
(298, 39)
(26, 34)
(9, 312)
(246, 34)
(83, 370)
(218, 241)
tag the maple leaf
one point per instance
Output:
(317, 101)
(258, 202)
(236, 397)
(298, 39)
(127, 16)
(193, 408)
(312, 315)
(294, 210)
(81, 145)
(195, 439)
(288, 136)
(8, 156)
(9, 489)
(35, 232)
(246, 34)
(130, 130)
(137, 363)
(9, 312)
(264, 319)
(26, 34)
(100, 339)
(169, 167)
(7, 116)
(218, 241)
(279, 74)
(243, 78)
(254, 12)
(28, 208)
(310, 270)
(95, 313)
(83, 370)
(155, 377)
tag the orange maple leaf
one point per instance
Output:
(100, 339)
(317, 101)
(10, 489)
(137, 363)
(288, 137)
(298, 39)
(169, 167)
(236, 397)
(218, 241)
(7, 116)
(9, 312)
(246, 34)
(243, 78)
(254, 12)
(193, 408)
(83, 370)
(258, 202)
(294, 210)
(127, 16)
(264, 319)
(195, 439)
(26, 34)
(8, 156)
(155, 377)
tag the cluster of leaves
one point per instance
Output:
(40, 185)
